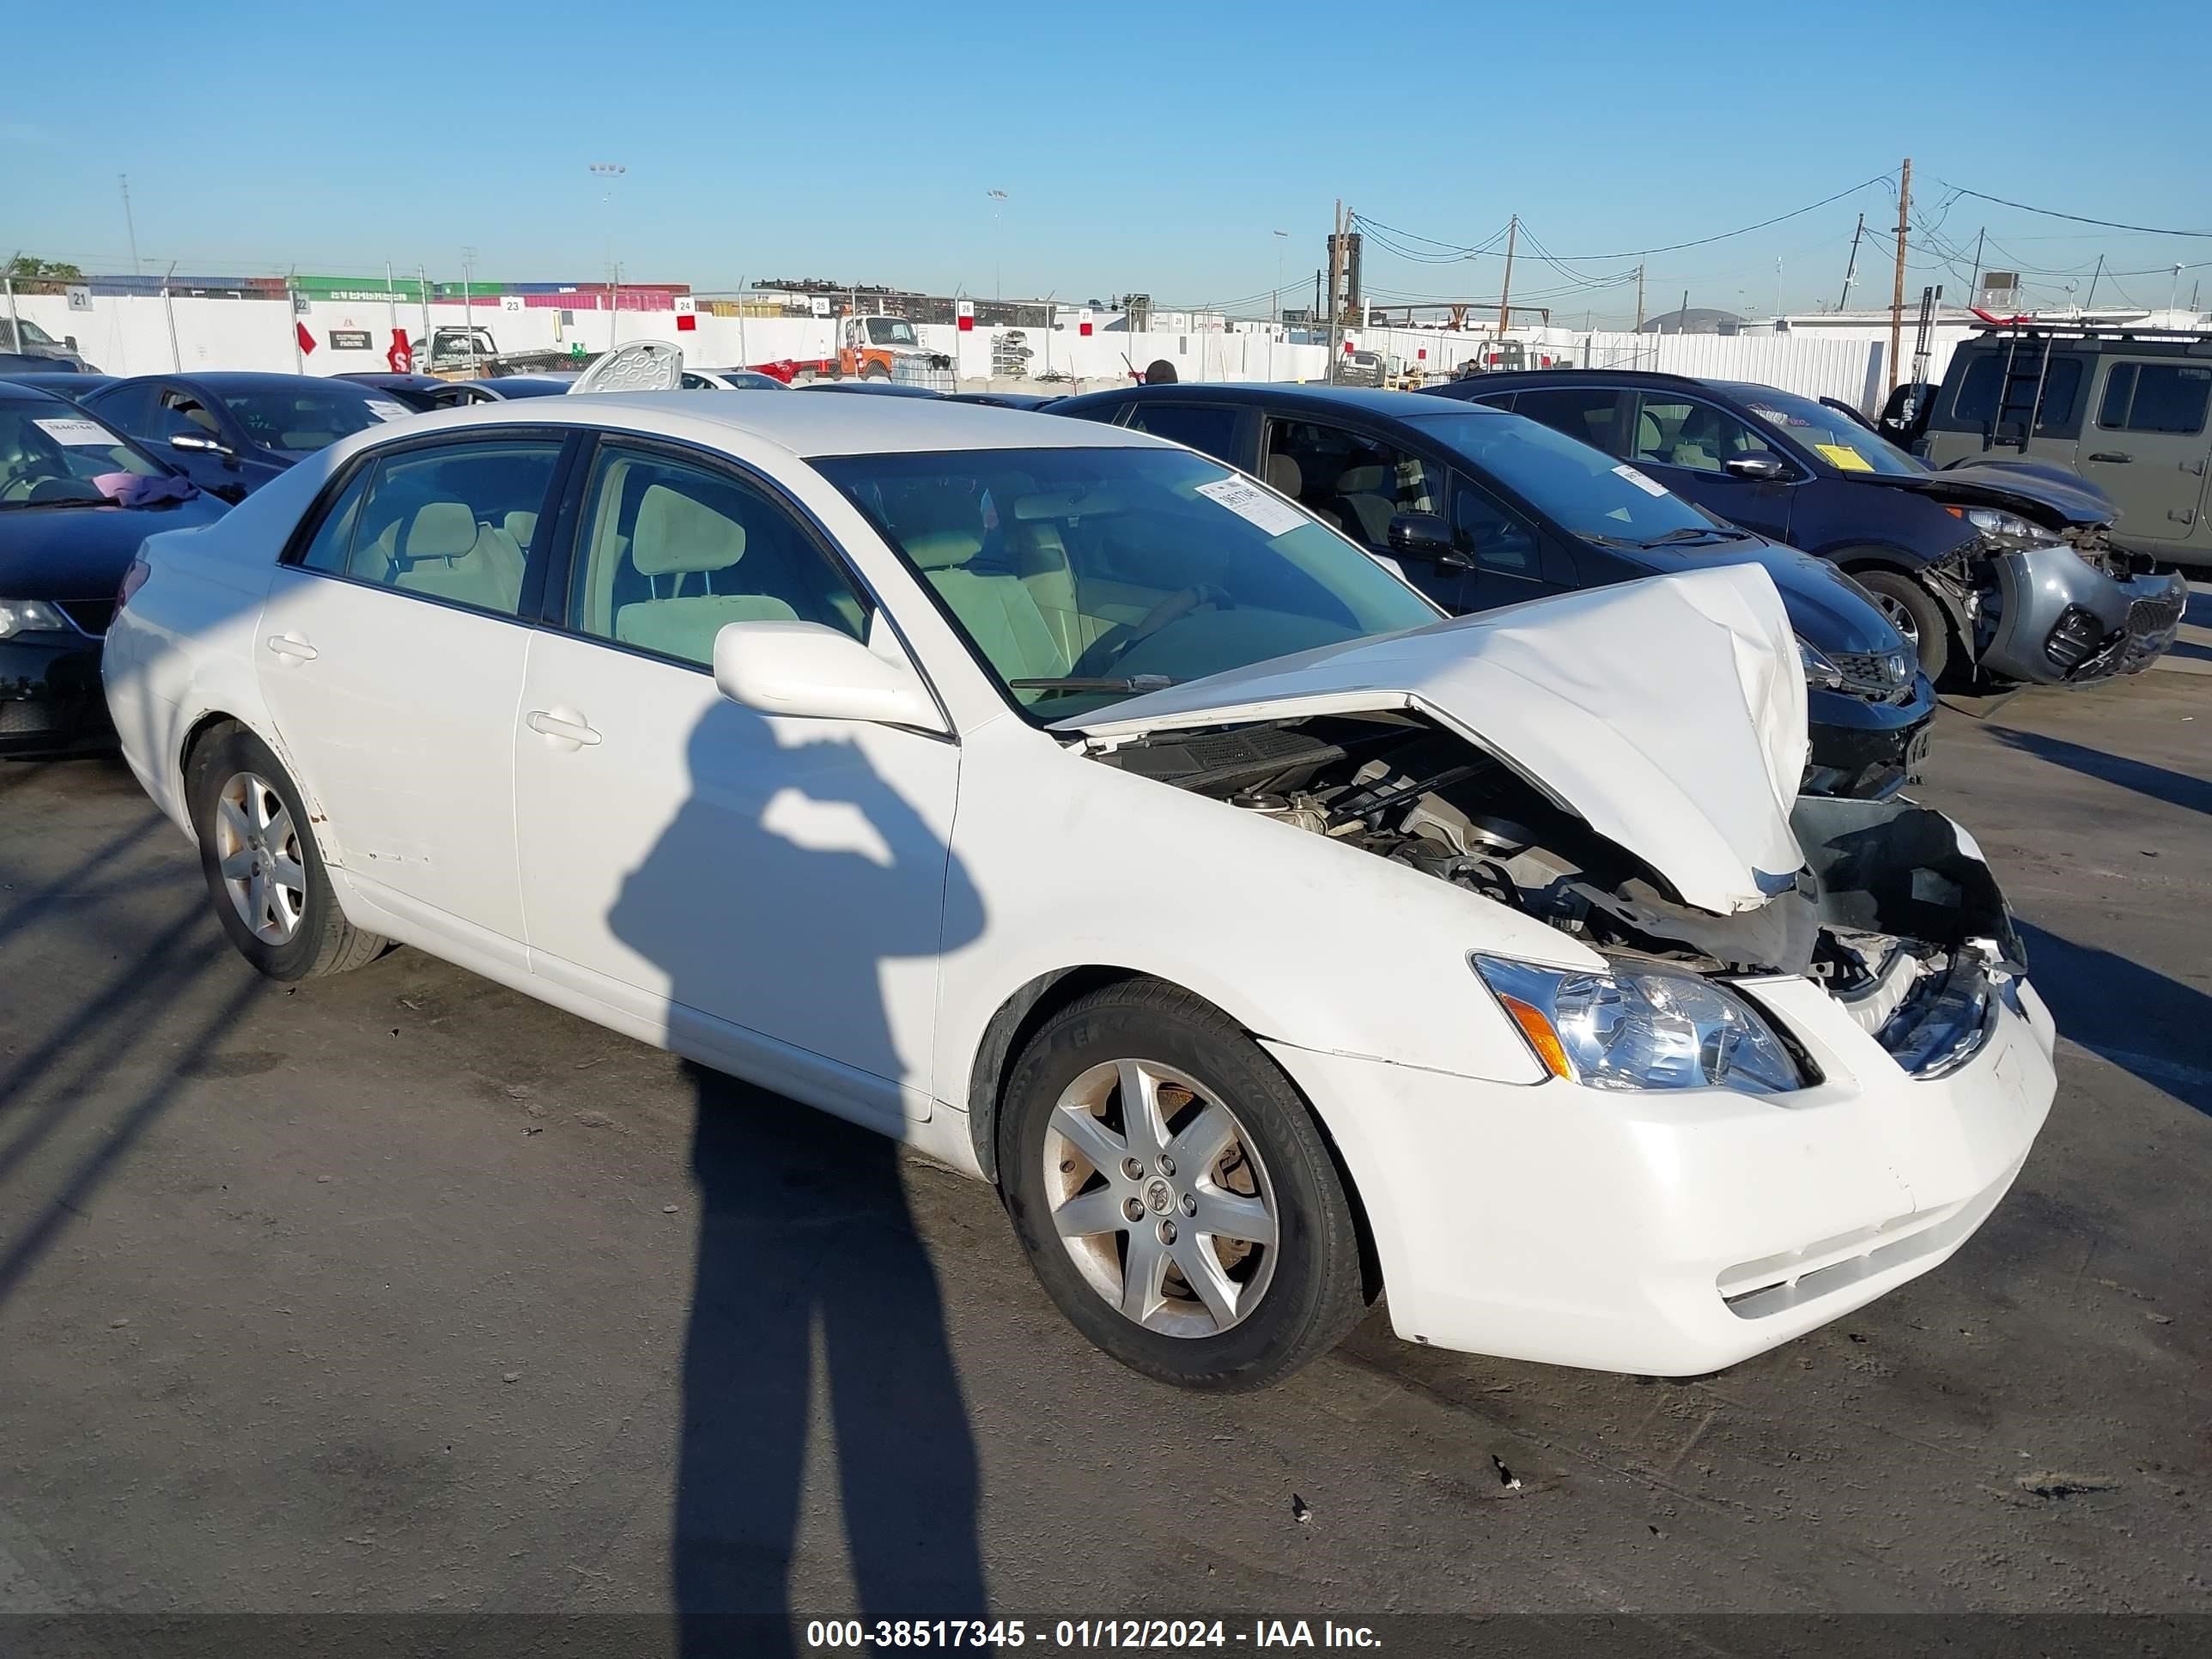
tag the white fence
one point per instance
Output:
(144, 335)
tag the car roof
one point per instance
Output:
(1366, 400)
(13, 387)
(806, 427)
(237, 380)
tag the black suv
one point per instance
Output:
(1480, 509)
(2007, 572)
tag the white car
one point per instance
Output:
(1096, 821)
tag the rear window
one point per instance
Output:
(1583, 412)
(2155, 397)
(1982, 386)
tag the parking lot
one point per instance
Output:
(399, 1290)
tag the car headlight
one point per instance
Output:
(1641, 1026)
(1992, 522)
(1820, 673)
(29, 617)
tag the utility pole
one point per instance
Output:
(2091, 303)
(429, 340)
(1852, 270)
(292, 305)
(1335, 281)
(1974, 287)
(124, 180)
(1639, 298)
(169, 306)
(1897, 294)
(1505, 293)
(468, 314)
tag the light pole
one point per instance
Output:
(468, 313)
(1281, 237)
(609, 172)
(999, 199)
(2173, 289)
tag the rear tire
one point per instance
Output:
(1212, 1246)
(1917, 615)
(263, 872)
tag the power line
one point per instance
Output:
(2076, 218)
(1702, 241)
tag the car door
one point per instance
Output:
(1509, 557)
(767, 894)
(2147, 445)
(1687, 444)
(1359, 481)
(391, 652)
(1224, 431)
(190, 431)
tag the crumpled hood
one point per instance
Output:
(2033, 489)
(1669, 713)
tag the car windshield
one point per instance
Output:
(891, 331)
(29, 333)
(1830, 433)
(1082, 577)
(53, 451)
(1583, 490)
(302, 418)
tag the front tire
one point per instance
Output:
(1915, 613)
(264, 870)
(1173, 1193)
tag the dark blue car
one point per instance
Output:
(231, 432)
(76, 501)
(1481, 509)
(2005, 573)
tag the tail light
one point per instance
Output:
(134, 578)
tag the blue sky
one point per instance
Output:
(1154, 148)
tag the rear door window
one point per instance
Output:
(1211, 431)
(2156, 397)
(1580, 412)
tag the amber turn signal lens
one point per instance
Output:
(1541, 1037)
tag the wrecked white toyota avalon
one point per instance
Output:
(1099, 822)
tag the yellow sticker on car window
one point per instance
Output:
(1846, 457)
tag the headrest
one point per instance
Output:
(943, 550)
(442, 529)
(1282, 473)
(522, 524)
(1360, 480)
(676, 533)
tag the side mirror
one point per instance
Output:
(1760, 469)
(805, 669)
(1426, 536)
(200, 443)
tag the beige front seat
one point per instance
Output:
(1361, 492)
(677, 536)
(996, 608)
(447, 555)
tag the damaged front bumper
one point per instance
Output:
(1674, 1232)
(2056, 618)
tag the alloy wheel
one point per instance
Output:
(1160, 1198)
(1901, 617)
(258, 848)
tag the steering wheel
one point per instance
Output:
(60, 489)
(1109, 647)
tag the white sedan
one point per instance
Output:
(1095, 820)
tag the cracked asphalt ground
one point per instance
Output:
(379, 1294)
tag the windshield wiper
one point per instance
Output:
(1092, 683)
(1695, 533)
(65, 501)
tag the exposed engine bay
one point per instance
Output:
(1895, 913)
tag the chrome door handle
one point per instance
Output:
(292, 648)
(547, 724)
(2110, 455)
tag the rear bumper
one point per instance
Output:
(1674, 1235)
(50, 702)
(2061, 621)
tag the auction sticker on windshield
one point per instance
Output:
(1254, 505)
(76, 431)
(1649, 486)
(388, 412)
(1844, 457)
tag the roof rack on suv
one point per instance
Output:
(2027, 328)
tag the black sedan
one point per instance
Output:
(1482, 509)
(76, 501)
(231, 432)
(63, 383)
(422, 392)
